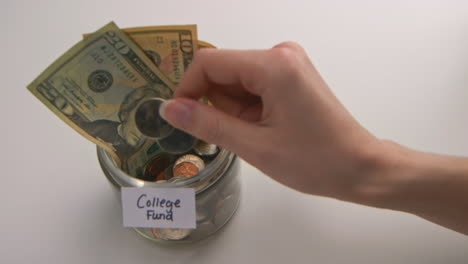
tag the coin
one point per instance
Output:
(205, 149)
(160, 176)
(160, 181)
(177, 179)
(197, 161)
(185, 169)
(149, 122)
(171, 233)
(177, 142)
(154, 170)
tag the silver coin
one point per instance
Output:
(177, 179)
(177, 142)
(160, 181)
(149, 122)
(171, 233)
(205, 149)
(197, 161)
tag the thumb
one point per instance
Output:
(209, 124)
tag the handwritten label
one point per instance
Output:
(158, 207)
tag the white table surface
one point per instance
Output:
(401, 67)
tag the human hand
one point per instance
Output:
(274, 110)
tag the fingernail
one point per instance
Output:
(162, 109)
(177, 112)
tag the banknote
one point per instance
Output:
(97, 84)
(164, 45)
(171, 48)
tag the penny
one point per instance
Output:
(154, 170)
(161, 176)
(194, 159)
(185, 169)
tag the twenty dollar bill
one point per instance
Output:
(170, 48)
(96, 85)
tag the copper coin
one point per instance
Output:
(194, 159)
(161, 176)
(154, 170)
(185, 169)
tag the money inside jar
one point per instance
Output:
(154, 170)
(171, 233)
(203, 148)
(109, 87)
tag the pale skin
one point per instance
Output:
(274, 110)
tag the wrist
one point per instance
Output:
(386, 170)
(402, 179)
(431, 186)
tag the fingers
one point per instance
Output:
(209, 124)
(229, 68)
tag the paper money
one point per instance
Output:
(96, 85)
(171, 48)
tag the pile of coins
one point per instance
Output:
(167, 167)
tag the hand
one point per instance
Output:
(274, 110)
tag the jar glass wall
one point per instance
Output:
(217, 195)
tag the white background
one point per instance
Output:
(401, 67)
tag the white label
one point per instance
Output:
(158, 207)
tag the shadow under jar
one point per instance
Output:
(217, 195)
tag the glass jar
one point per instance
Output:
(217, 195)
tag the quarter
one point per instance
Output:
(171, 233)
(203, 148)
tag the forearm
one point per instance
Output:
(431, 186)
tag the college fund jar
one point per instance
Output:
(217, 194)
